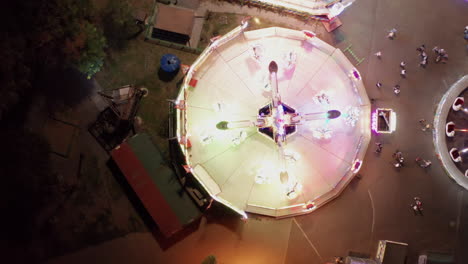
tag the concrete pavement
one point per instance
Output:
(365, 26)
(230, 241)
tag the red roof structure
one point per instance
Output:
(155, 184)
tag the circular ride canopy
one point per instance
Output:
(273, 121)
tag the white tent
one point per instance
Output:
(240, 167)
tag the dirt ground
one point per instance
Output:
(218, 24)
(89, 204)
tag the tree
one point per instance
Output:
(118, 24)
(41, 37)
(90, 57)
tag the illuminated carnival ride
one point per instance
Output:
(272, 121)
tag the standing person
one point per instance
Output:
(426, 163)
(392, 33)
(418, 161)
(443, 55)
(339, 260)
(398, 156)
(396, 89)
(379, 147)
(423, 163)
(424, 124)
(416, 209)
(403, 73)
(402, 64)
(423, 54)
(418, 203)
(417, 206)
(378, 54)
(423, 62)
(421, 48)
(378, 84)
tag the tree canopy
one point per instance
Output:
(90, 56)
(118, 24)
(39, 35)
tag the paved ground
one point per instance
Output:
(376, 207)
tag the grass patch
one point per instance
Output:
(138, 64)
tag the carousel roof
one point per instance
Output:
(240, 166)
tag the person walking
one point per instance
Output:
(378, 84)
(396, 89)
(402, 65)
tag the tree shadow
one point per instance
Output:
(131, 195)
(65, 87)
(338, 36)
(220, 214)
(167, 242)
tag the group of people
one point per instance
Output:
(400, 160)
(441, 56)
(423, 55)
